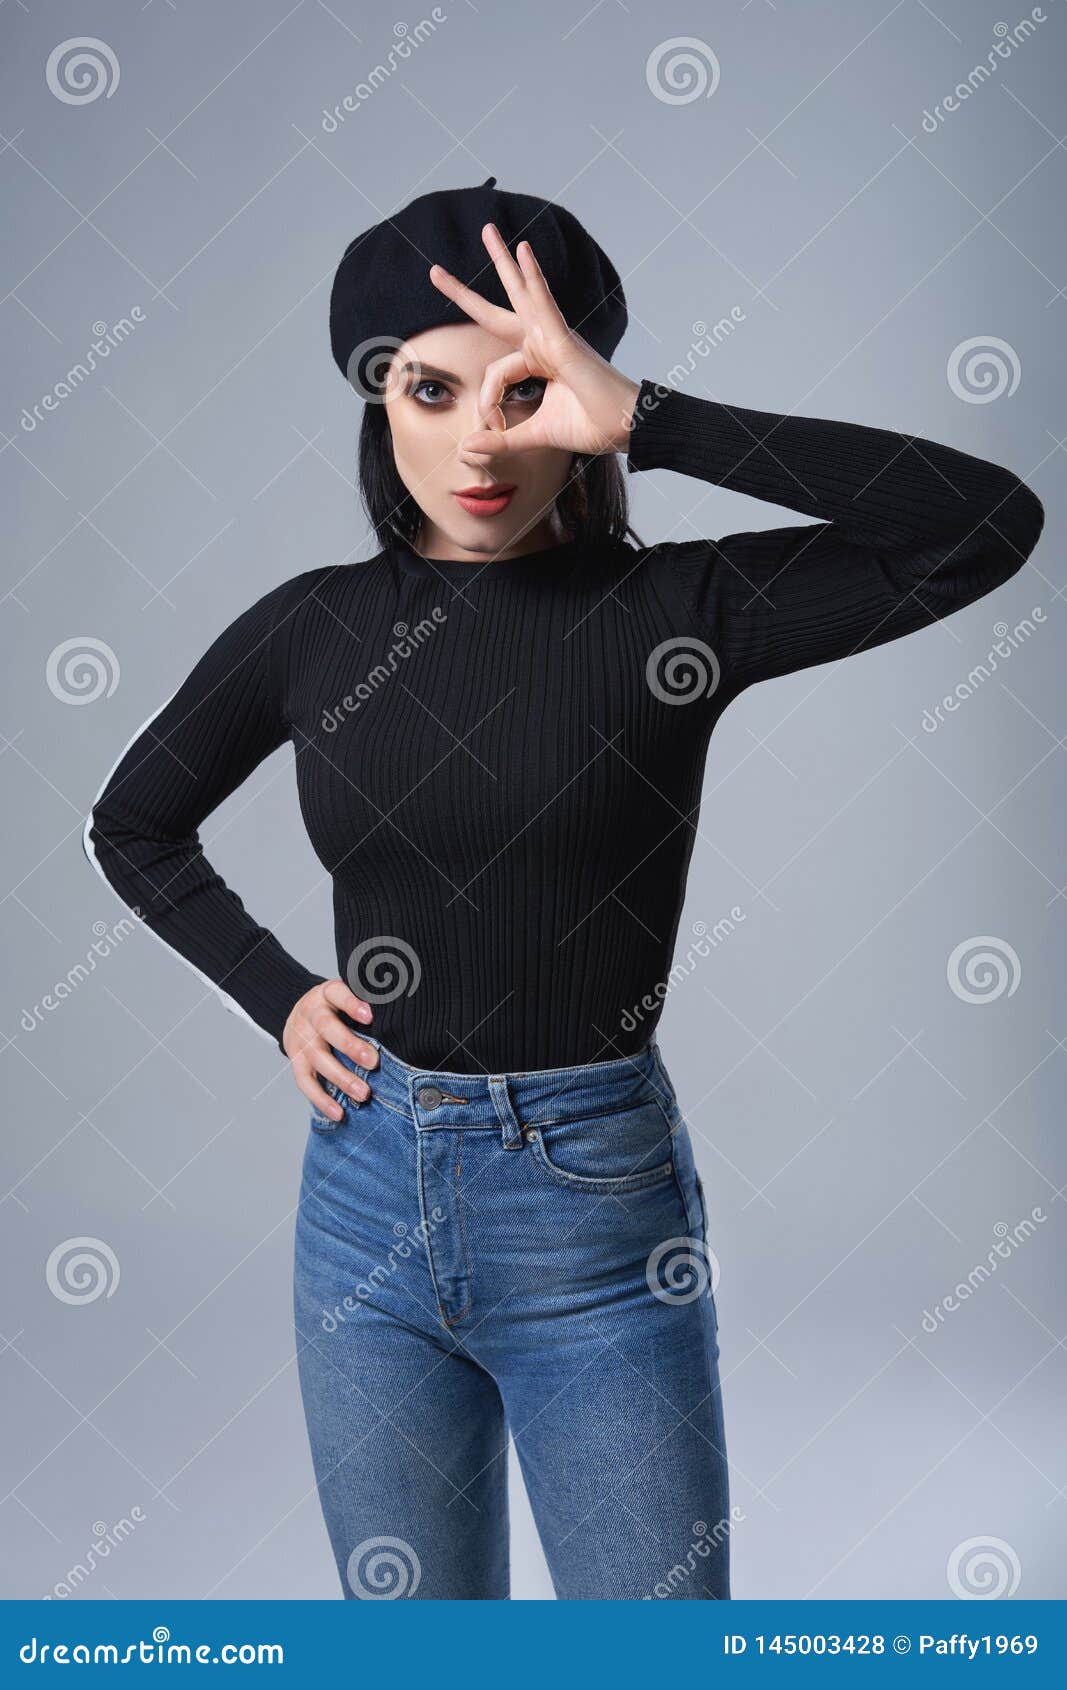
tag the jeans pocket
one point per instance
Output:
(621, 1151)
(322, 1123)
(686, 1169)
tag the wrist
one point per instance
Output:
(629, 394)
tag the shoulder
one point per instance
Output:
(324, 589)
(678, 572)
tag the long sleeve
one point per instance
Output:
(141, 833)
(909, 531)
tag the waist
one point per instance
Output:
(441, 1097)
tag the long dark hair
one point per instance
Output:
(592, 505)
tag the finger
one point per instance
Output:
(539, 290)
(512, 278)
(306, 1080)
(498, 444)
(330, 1068)
(495, 318)
(340, 995)
(499, 376)
(333, 1032)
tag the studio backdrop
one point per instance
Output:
(850, 210)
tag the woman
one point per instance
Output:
(500, 724)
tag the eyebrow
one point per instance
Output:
(430, 372)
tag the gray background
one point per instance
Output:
(861, 1129)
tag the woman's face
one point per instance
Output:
(432, 403)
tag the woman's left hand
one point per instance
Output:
(587, 405)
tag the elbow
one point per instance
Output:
(95, 849)
(1009, 530)
(102, 841)
(88, 842)
(1028, 520)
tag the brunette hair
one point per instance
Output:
(592, 505)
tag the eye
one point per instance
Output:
(529, 391)
(429, 392)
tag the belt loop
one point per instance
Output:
(511, 1132)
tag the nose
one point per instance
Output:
(470, 417)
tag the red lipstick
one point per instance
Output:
(486, 501)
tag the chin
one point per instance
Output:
(486, 534)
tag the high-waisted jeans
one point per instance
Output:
(523, 1254)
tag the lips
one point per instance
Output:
(486, 501)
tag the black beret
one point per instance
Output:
(382, 293)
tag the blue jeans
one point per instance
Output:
(512, 1253)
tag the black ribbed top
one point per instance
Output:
(500, 765)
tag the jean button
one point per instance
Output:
(430, 1096)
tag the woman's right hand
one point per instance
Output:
(314, 1025)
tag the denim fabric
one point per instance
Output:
(523, 1254)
